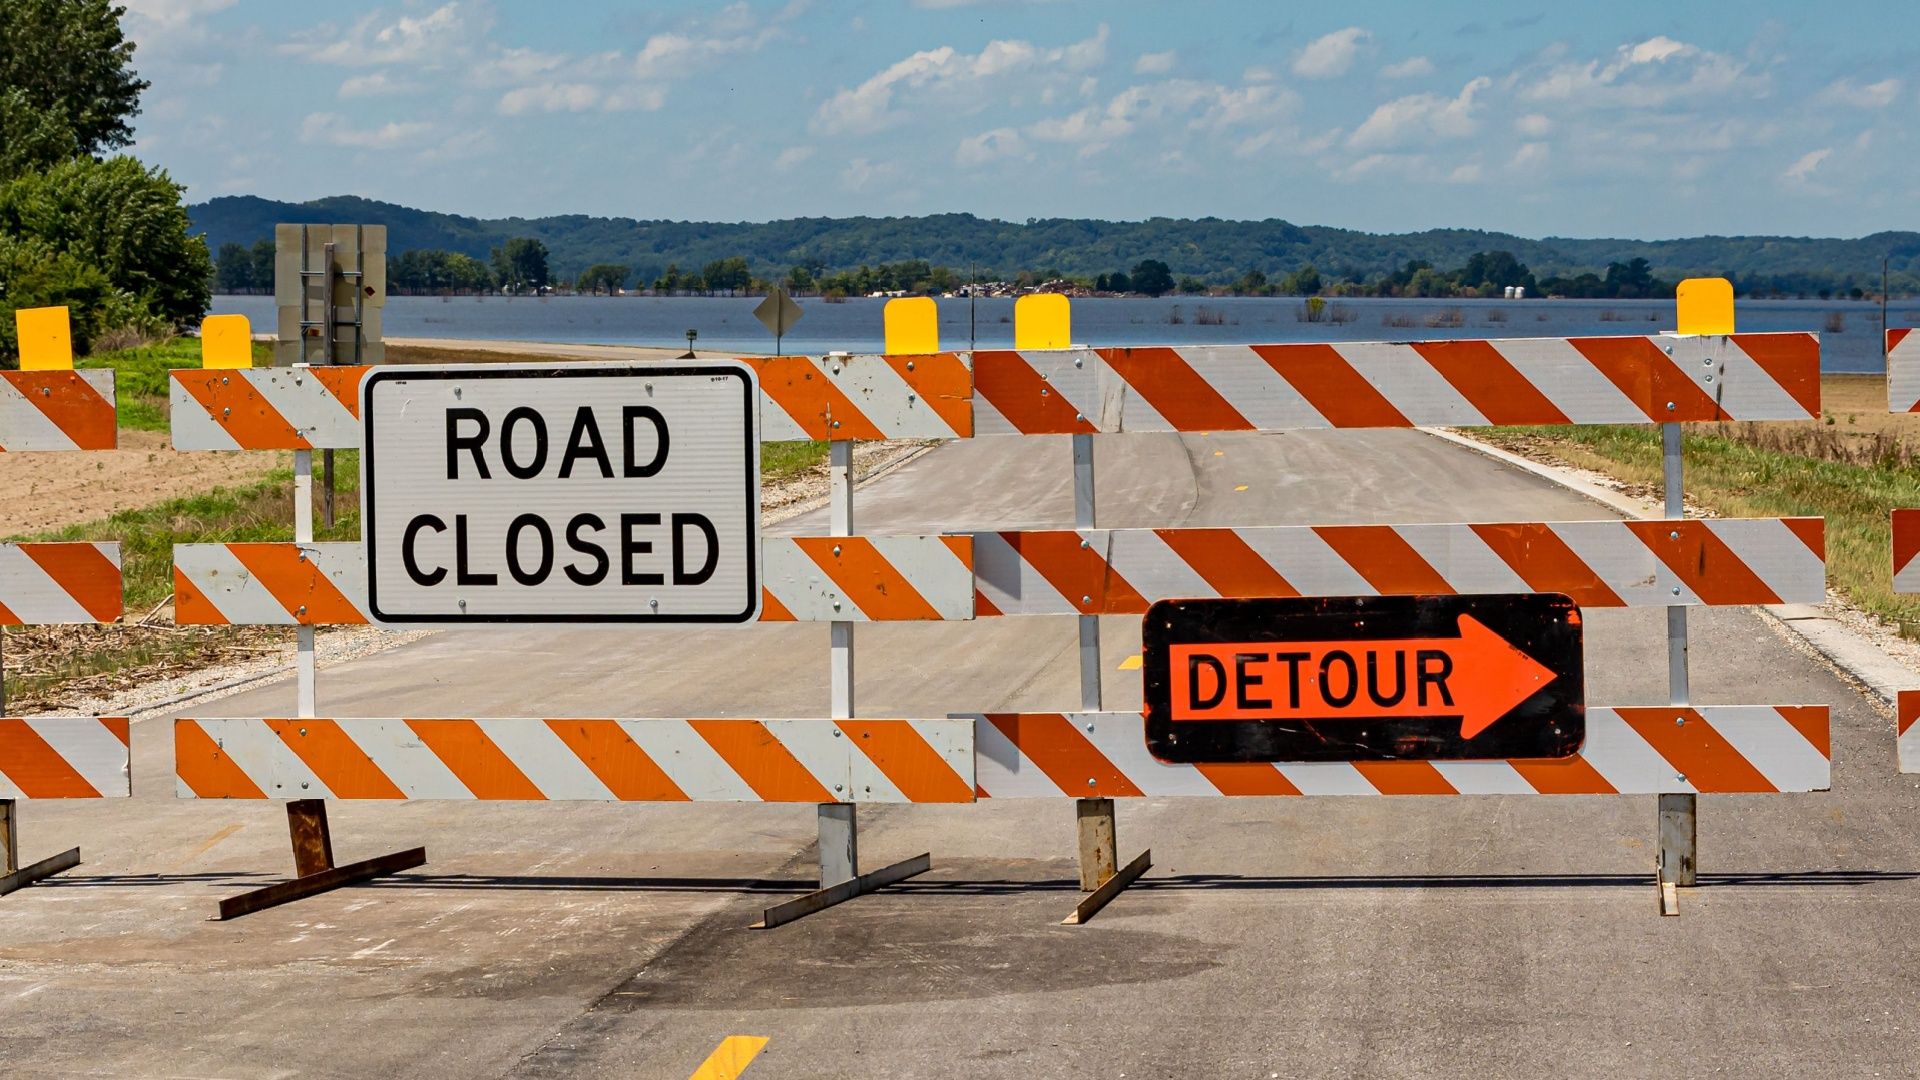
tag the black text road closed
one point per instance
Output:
(564, 494)
(1364, 678)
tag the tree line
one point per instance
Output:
(105, 236)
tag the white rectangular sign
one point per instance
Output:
(571, 493)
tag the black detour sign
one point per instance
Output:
(561, 494)
(1385, 678)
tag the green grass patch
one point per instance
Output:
(140, 379)
(785, 460)
(1734, 478)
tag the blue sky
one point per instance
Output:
(1622, 118)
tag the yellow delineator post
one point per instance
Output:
(1705, 306)
(913, 326)
(226, 341)
(1042, 321)
(46, 339)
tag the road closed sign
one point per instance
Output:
(1364, 678)
(580, 493)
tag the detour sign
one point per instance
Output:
(1363, 678)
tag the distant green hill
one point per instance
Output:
(1208, 248)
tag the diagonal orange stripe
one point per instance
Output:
(767, 767)
(36, 768)
(1490, 382)
(120, 727)
(1695, 750)
(296, 583)
(1017, 392)
(1907, 707)
(1405, 778)
(83, 572)
(908, 760)
(771, 609)
(1704, 562)
(71, 404)
(1226, 562)
(1811, 722)
(205, 768)
(1247, 778)
(1562, 776)
(1906, 538)
(1178, 392)
(1385, 559)
(336, 759)
(864, 576)
(191, 606)
(230, 400)
(942, 383)
(1331, 385)
(1649, 378)
(1792, 359)
(604, 747)
(1076, 571)
(1075, 766)
(1811, 531)
(343, 383)
(475, 760)
(1544, 561)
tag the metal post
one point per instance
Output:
(839, 831)
(1098, 831)
(330, 328)
(1679, 851)
(303, 534)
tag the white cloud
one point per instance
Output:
(1419, 118)
(1802, 170)
(1529, 155)
(949, 73)
(433, 38)
(792, 156)
(579, 97)
(860, 173)
(1647, 74)
(989, 146)
(375, 84)
(1329, 56)
(1871, 96)
(1533, 125)
(1413, 67)
(168, 15)
(1155, 63)
(332, 129)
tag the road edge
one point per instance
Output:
(1859, 660)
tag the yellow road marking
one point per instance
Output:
(1242, 487)
(1219, 453)
(730, 1058)
(1131, 663)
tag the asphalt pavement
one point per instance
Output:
(1496, 936)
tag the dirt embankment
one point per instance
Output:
(44, 491)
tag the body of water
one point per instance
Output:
(1849, 329)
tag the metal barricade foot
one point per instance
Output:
(314, 870)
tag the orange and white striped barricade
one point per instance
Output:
(804, 579)
(1557, 381)
(1903, 396)
(1716, 749)
(47, 405)
(1597, 563)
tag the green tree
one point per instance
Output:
(263, 264)
(1302, 282)
(521, 264)
(1251, 283)
(123, 218)
(732, 274)
(233, 271)
(800, 278)
(609, 276)
(67, 86)
(1151, 276)
(33, 274)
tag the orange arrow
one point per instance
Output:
(1478, 676)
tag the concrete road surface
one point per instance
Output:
(1295, 937)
